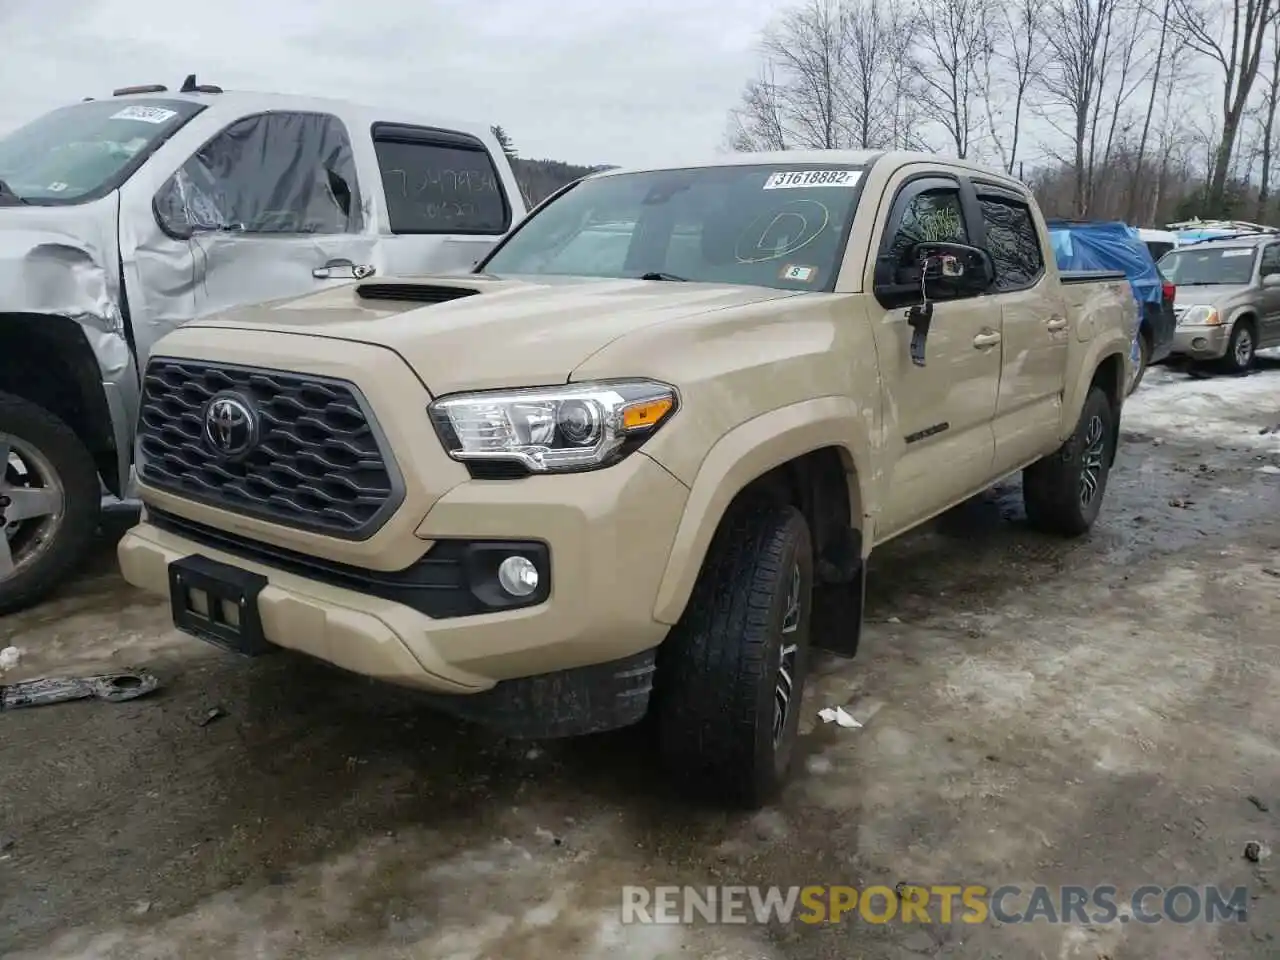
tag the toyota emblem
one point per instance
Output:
(230, 426)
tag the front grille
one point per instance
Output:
(319, 463)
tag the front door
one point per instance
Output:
(938, 416)
(1036, 331)
(270, 208)
(1269, 296)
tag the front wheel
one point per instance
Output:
(1241, 348)
(731, 674)
(50, 498)
(1063, 492)
(1143, 361)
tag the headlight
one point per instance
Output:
(1202, 316)
(554, 429)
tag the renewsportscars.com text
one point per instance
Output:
(971, 903)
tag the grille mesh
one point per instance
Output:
(318, 464)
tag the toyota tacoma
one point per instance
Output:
(633, 465)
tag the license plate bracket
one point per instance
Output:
(230, 618)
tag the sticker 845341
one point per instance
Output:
(799, 179)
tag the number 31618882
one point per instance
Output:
(792, 179)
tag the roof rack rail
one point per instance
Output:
(144, 88)
(1239, 226)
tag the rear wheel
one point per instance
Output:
(50, 498)
(1241, 348)
(732, 672)
(1063, 492)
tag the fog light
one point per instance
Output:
(1199, 343)
(518, 576)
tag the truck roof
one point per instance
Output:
(865, 158)
(251, 101)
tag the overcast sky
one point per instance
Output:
(577, 80)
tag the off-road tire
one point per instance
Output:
(719, 667)
(1052, 488)
(1230, 362)
(83, 501)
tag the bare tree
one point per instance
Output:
(1239, 58)
(1011, 63)
(1165, 11)
(1272, 95)
(879, 74)
(954, 41)
(759, 123)
(1078, 34)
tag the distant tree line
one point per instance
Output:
(1143, 110)
(538, 179)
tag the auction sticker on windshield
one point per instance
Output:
(1236, 253)
(793, 179)
(145, 114)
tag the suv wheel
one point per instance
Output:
(50, 499)
(1063, 492)
(731, 674)
(1240, 348)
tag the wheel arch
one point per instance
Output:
(814, 455)
(47, 360)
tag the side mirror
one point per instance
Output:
(1271, 280)
(947, 270)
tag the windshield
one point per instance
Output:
(780, 227)
(85, 150)
(1221, 265)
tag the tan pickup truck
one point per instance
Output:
(634, 464)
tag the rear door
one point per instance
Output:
(445, 204)
(1033, 314)
(272, 208)
(938, 415)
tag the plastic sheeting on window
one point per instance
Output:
(1108, 246)
(291, 173)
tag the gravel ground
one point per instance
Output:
(1094, 712)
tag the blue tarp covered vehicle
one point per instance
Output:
(1088, 245)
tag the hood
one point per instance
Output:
(500, 332)
(59, 260)
(1215, 295)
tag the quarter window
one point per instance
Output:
(1013, 242)
(274, 173)
(439, 186)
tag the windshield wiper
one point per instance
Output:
(6, 193)
(662, 276)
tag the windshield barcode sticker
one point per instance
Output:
(799, 179)
(1236, 253)
(145, 114)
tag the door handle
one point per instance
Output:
(988, 339)
(342, 270)
(1055, 324)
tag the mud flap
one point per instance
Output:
(838, 615)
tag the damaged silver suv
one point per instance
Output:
(125, 217)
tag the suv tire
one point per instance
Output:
(41, 558)
(731, 673)
(1144, 359)
(1063, 492)
(1241, 348)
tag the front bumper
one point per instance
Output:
(608, 534)
(1201, 342)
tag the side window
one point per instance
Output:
(1013, 242)
(274, 173)
(440, 185)
(929, 215)
(1270, 262)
